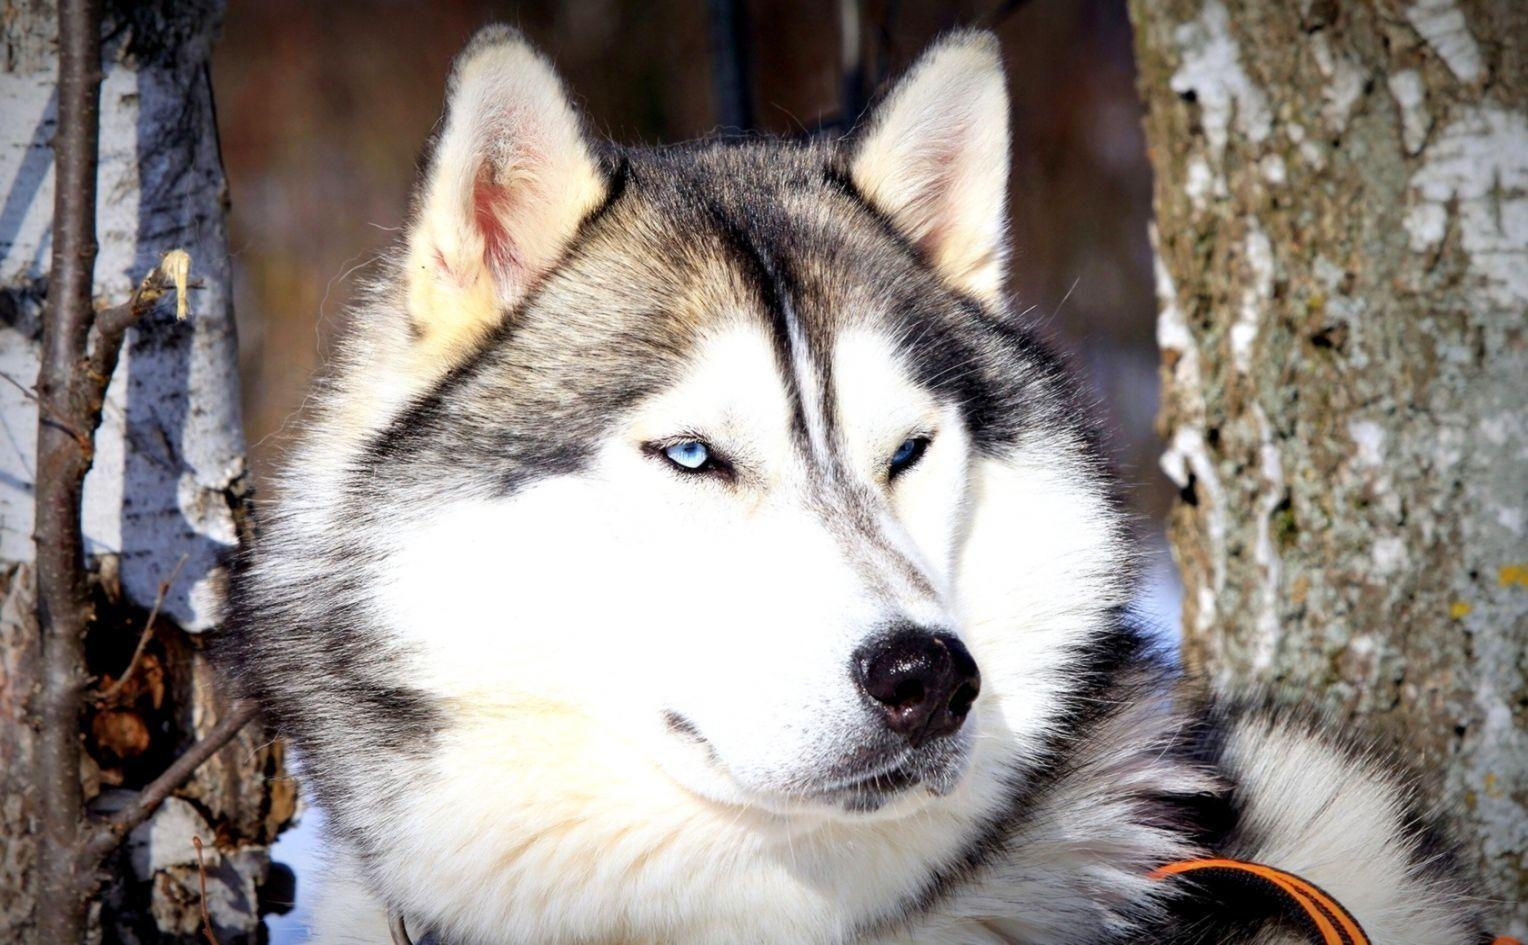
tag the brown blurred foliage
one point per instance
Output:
(323, 109)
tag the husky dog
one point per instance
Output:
(691, 548)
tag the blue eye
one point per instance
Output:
(688, 454)
(908, 453)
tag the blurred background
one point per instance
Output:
(323, 108)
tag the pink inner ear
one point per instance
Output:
(933, 205)
(492, 212)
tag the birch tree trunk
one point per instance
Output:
(165, 500)
(1342, 247)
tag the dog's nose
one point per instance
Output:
(922, 682)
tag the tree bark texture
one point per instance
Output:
(165, 498)
(1342, 247)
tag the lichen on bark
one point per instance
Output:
(1342, 236)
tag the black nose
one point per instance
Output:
(922, 682)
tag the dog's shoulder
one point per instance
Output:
(1323, 834)
(1185, 818)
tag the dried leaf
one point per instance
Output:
(121, 732)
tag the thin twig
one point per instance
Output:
(111, 324)
(201, 882)
(170, 273)
(26, 391)
(144, 637)
(64, 453)
(43, 408)
(109, 835)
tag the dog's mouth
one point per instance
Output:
(872, 780)
(870, 792)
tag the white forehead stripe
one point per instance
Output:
(808, 386)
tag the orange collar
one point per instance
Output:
(1323, 916)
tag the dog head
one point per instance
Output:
(687, 506)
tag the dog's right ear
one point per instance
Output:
(933, 157)
(511, 177)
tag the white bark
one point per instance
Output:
(167, 482)
(171, 443)
(1342, 239)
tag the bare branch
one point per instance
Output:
(79, 353)
(172, 273)
(143, 638)
(109, 835)
(31, 395)
(201, 882)
(64, 454)
(111, 324)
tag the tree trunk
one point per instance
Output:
(1342, 246)
(165, 500)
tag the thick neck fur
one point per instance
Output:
(1060, 856)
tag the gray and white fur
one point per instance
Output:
(689, 546)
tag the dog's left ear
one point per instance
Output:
(934, 158)
(512, 176)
